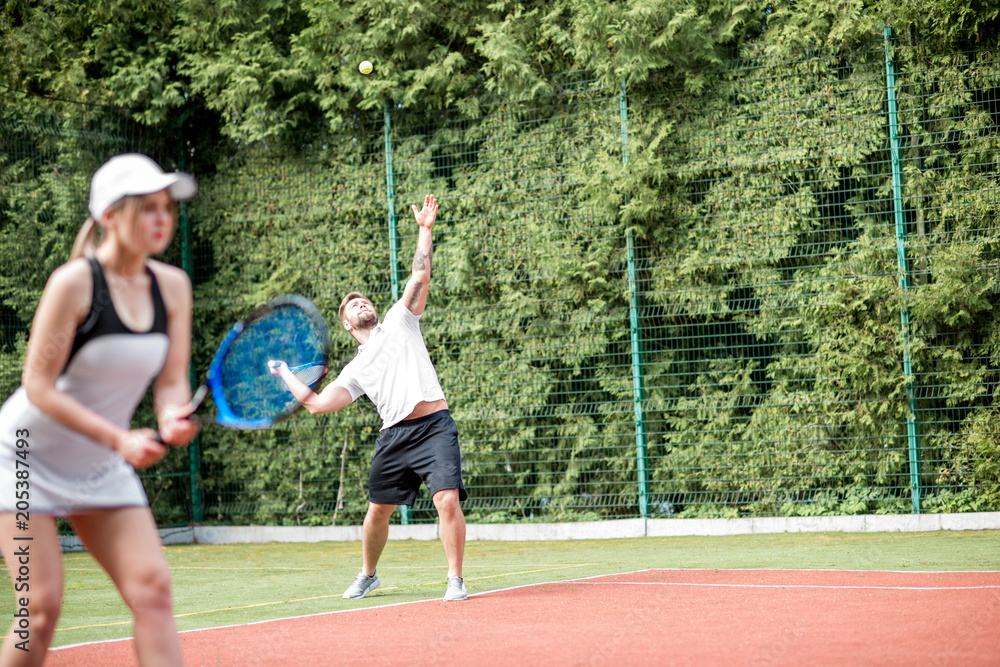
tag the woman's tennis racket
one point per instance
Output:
(245, 393)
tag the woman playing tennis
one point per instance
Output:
(109, 322)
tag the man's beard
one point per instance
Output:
(367, 320)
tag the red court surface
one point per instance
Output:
(653, 617)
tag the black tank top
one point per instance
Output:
(103, 318)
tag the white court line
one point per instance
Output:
(346, 611)
(814, 569)
(582, 581)
(845, 587)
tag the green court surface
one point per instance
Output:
(234, 584)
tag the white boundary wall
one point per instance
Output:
(585, 530)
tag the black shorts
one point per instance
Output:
(414, 451)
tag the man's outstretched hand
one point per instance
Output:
(428, 214)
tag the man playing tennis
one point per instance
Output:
(418, 440)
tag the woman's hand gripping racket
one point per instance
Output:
(245, 393)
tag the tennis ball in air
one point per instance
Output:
(365, 67)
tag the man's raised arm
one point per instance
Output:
(415, 293)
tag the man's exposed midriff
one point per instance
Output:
(425, 408)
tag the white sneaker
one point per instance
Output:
(456, 589)
(362, 586)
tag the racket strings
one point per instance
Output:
(288, 332)
(309, 374)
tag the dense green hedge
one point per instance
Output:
(754, 177)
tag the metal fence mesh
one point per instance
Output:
(740, 351)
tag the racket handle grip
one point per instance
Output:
(191, 417)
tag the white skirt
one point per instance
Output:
(57, 471)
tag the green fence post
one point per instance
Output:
(390, 195)
(638, 389)
(912, 425)
(187, 263)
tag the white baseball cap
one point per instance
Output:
(135, 174)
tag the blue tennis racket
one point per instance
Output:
(245, 393)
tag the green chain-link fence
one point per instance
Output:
(731, 338)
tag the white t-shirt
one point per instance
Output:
(393, 368)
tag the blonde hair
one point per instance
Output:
(92, 234)
(87, 239)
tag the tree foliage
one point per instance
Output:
(753, 180)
